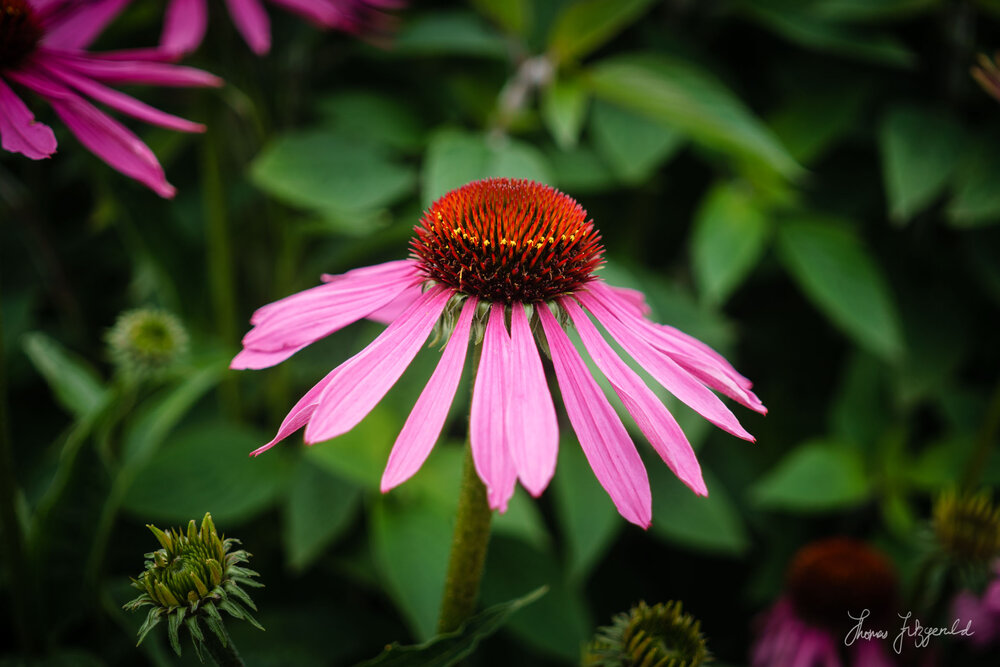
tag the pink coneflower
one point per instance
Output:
(983, 611)
(809, 625)
(506, 262)
(42, 46)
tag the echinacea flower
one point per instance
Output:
(505, 262)
(42, 48)
(830, 584)
(982, 611)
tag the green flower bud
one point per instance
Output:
(967, 527)
(193, 576)
(146, 340)
(658, 636)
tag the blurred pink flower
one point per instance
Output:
(984, 611)
(43, 48)
(505, 262)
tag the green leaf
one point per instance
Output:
(711, 524)
(359, 456)
(581, 170)
(207, 468)
(319, 508)
(373, 117)
(730, 234)
(683, 96)
(633, 145)
(870, 10)
(449, 33)
(455, 158)
(816, 476)
(75, 384)
(976, 201)
(811, 121)
(322, 169)
(587, 24)
(453, 647)
(838, 274)
(515, 16)
(564, 104)
(920, 151)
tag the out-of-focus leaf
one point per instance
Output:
(940, 464)
(453, 647)
(587, 24)
(373, 117)
(322, 169)
(581, 170)
(454, 158)
(319, 508)
(810, 122)
(838, 274)
(711, 524)
(587, 517)
(687, 98)
(73, 381)
(564, 104)
(976, 201)
(730, 232)
(456, 33)
(870, 10)
(206, 468)
(515, 16)
(633, 145)
(360, 454)
(859, 412)
(557, 624)
(815, 477)
(920, 150)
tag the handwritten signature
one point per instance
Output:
(920, 634)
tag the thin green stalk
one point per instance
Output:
(468, 545)
(224, 655)
(984, 444)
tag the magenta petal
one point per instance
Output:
(532, 429)
(184, 26)
(366, 377)
(109, 68)
(487, 431)
(320, 12)
(635, 299)
(252, 22)
(652, 417)
(602, 436)
(19, 131)
(299, 415)
(77, 27)
(674, 378)
(427, 418)
(390, 311)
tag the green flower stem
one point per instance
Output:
(984, 444)
(224, 655)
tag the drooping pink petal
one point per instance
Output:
(490, 402)
(19, 131)
(675, 379)
(633, 297)
(321, 13)
(300, 414)
(870, 654)
(366, 377)
(427, 418)
(602, 436)
(652, 417)
(77, 27)
(390, 311)
(392, 267)
(532, 429)
(109, 69)
(184, 26)
(251, 20)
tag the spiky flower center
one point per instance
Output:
(658, 636)
(829, 578)
(20, 32)
(968, 527)
(508, 240)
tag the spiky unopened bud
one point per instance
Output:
(967, 527)
(658, 636)
(146, 340)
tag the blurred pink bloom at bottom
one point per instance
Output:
(984, 611)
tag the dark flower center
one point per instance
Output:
(829, 578)
(506, 240)
(20, 32)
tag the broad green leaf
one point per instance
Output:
(453, 647)
(514, 16)
(836, 271)
(633, 145)
(207, 468)
(581, 170)
(564, 105)
(859, 412)
(920, 150)
(976, 201)
(587, 517)
(870, 10)
(683, 96)
(816, 476)
(585, 25)
(449, 33)
(711, 524)
(319, 508)
(73, 381)
(322, 169)
(455, 158)
(730, 234)
(373, 117)
(360, 454)
(811, 121)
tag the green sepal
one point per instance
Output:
(152, 619)
(174, 621)
(214, 623)
(240, 595)
(163, 538)
(197, 636)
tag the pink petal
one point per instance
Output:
(19, 131)
(487, 431)
(532, 429)
(389, 312)
(108, 68)
(633, 297)
(674, 378)
(252, 22)
(602, 436)
(366, 377)
(320, 12)
(300, 414)
(871, 654)
(392, 267)
(184, 26)
(78, 27)
(427, 418)
(652, 417)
